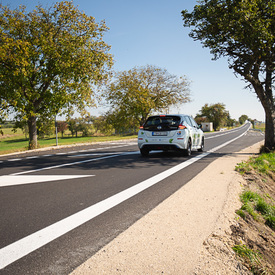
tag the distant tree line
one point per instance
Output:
(219, 116)
(74, 127)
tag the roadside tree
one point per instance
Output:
(102, 126)
(133, 95)
(50, 60)
(62, 127)
(215, 113)
(242, 31)
(243, 119)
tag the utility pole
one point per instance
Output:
(56, 132)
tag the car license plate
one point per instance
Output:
(159, 133)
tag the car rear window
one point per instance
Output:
(166, 123)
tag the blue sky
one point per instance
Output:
(151, 32)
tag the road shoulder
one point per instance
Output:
(174, 238)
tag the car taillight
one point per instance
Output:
(181, 127)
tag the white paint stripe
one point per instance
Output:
(18, 180)
(23, 247)
(226, 143)
(92, 154)
(32, 157)
(19, 249)
(225, 133)
(63, 165)
(14, 159)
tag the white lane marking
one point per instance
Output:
(227, 132)
(74, 163)
(23, 247)
(18, 180)
(32, 157)
(14, 159)
(63, 165)
(224, 133)
(93, 154)
(228, 142)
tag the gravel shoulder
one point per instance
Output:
(185, 233)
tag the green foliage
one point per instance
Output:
(215, 113)
(45, 127)
(242, 31)
(103, 126)
(133, 95)
(243, 118)
(50, 60)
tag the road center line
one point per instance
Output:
(63, 165)
(23, 247)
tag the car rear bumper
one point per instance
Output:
(164, 147)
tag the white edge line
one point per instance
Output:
(23, 247)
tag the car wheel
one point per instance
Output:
(202, 145)
(188, 150)
(144, 152)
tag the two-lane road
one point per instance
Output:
(59, 207)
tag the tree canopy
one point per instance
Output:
(50, 61)
(244, 32)
(215, 113)
(243, 118)
(134, 94)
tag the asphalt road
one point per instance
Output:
(59, 207)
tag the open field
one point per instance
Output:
(15, 142)
(11, 142)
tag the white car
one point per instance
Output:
(170, 132)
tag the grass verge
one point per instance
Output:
(19, 143)
(255, 236)
(252, 258)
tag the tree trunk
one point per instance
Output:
(32, 132)
(269, 144)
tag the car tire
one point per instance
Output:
(202, 145)
(188, 150)
(144, 152)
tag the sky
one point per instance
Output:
(151, 32)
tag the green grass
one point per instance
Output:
(16, 142)
(256, 206)
(264, 163)
(260, 127)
